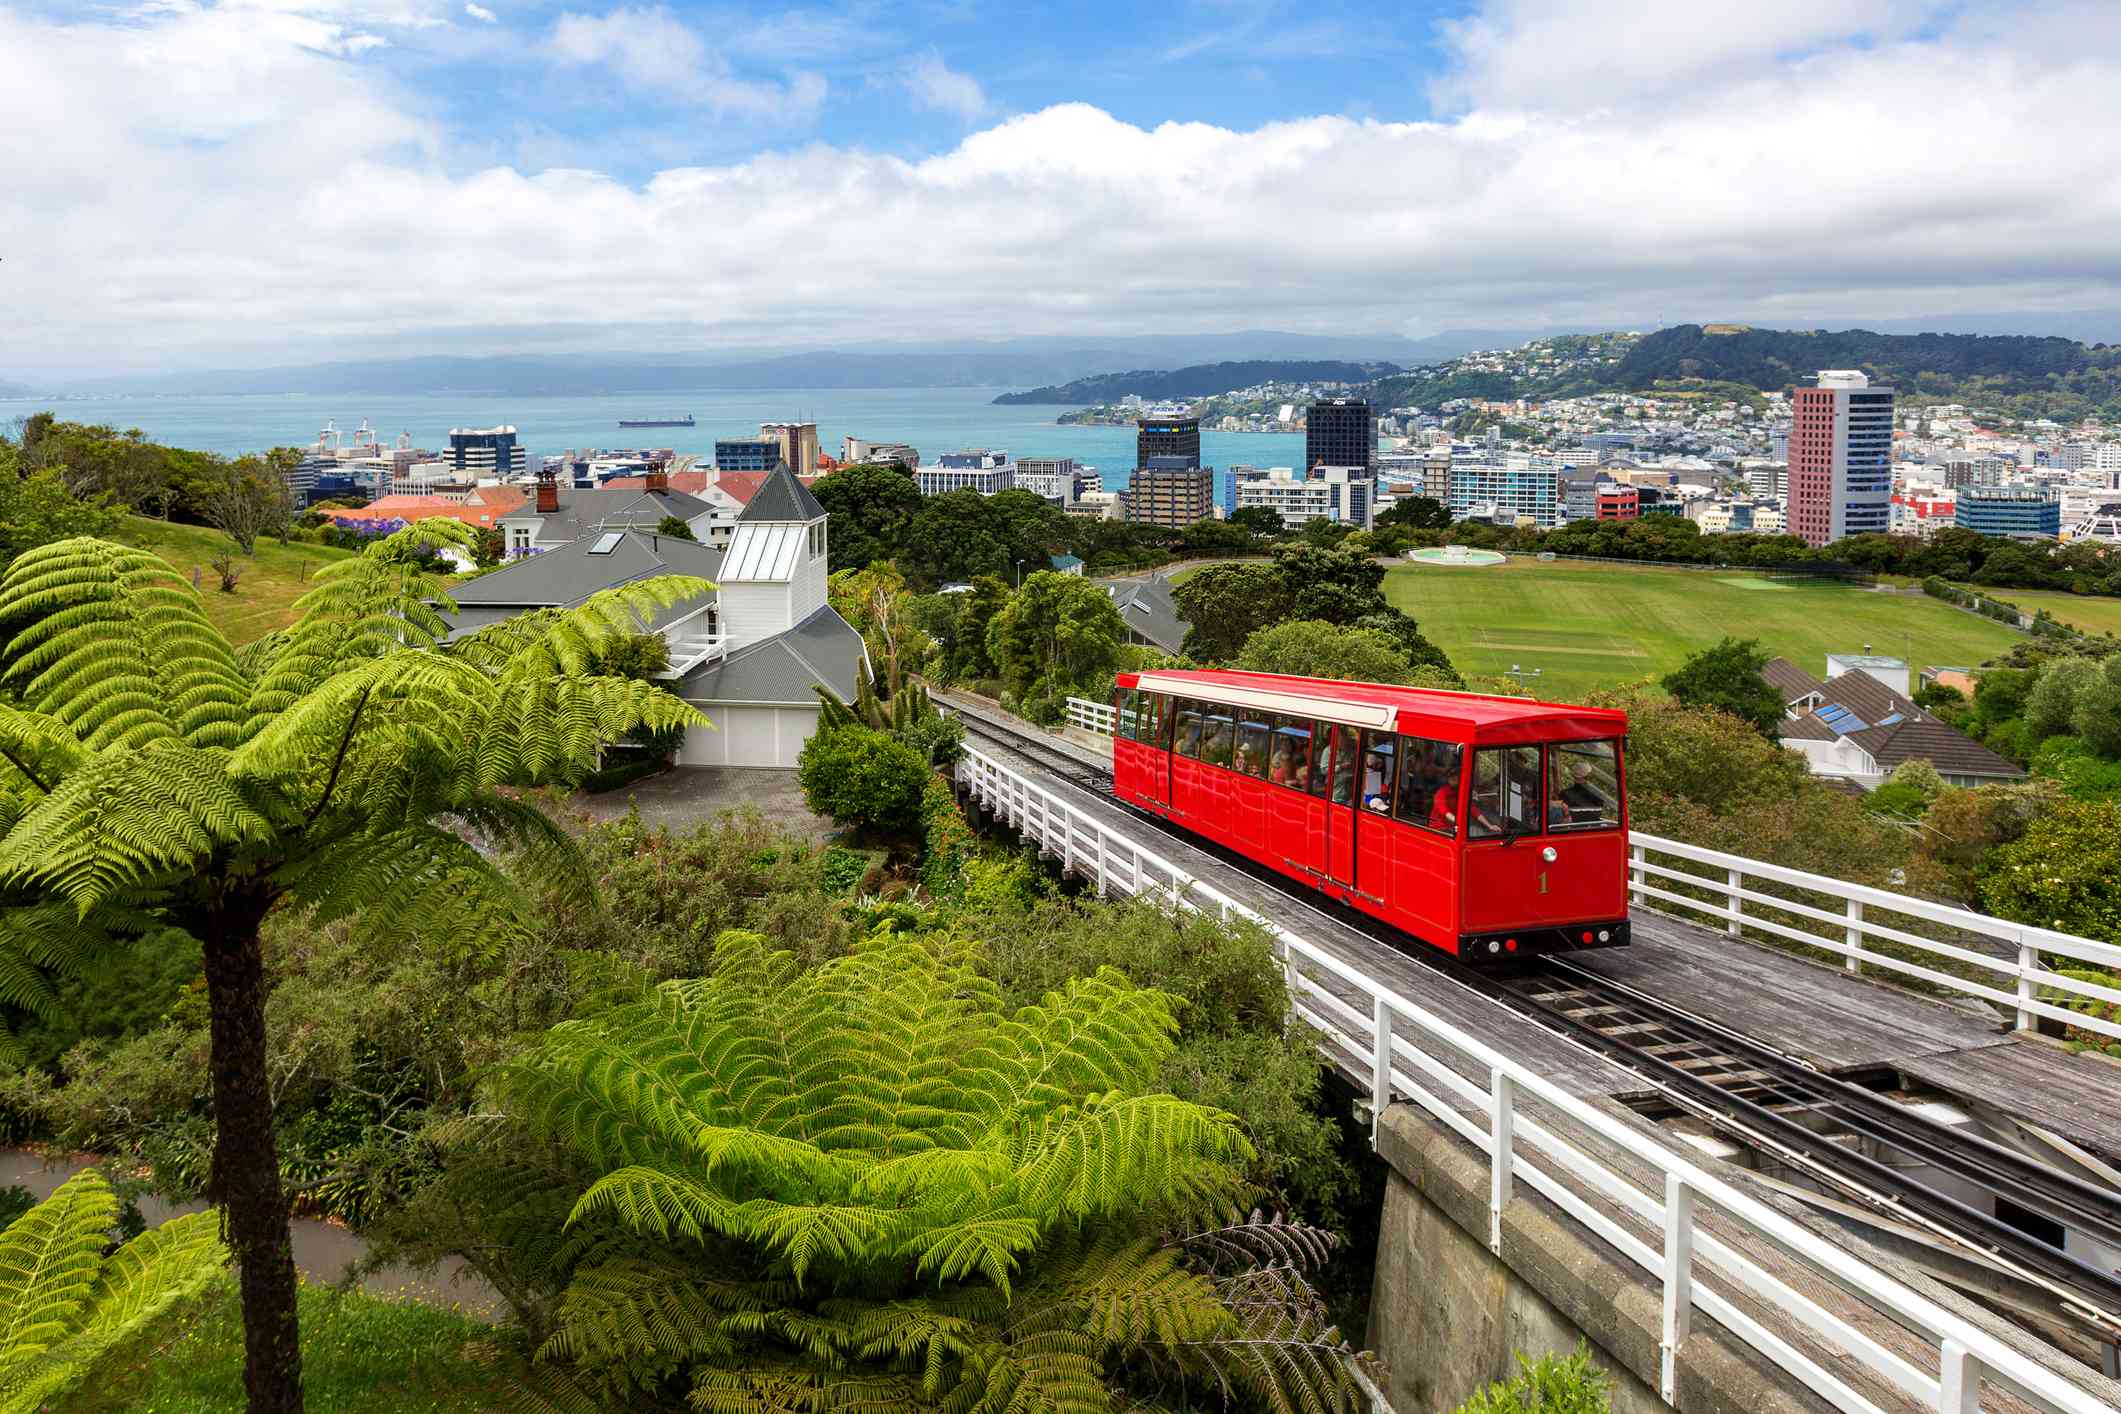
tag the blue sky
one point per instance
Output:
(609, 86)
(252, 181)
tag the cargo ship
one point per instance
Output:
(685, 421)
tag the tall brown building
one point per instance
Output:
(1166, 491)
(798, 444)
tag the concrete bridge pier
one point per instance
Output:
(1448, 1316)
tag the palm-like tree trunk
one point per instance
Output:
(246, 1162)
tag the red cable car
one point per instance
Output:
(1488, 827)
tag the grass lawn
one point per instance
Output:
(264, 598)
(2090, 612)
(1590, 626)
(361, 1354)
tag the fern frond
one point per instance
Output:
(130, 819)
(112, 642)
(555, 642)
(37, 752)
(50, 1260)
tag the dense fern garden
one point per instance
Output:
(718, 1116)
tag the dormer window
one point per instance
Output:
(817, 539)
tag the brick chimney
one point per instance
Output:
(548, 492)
(659, 477)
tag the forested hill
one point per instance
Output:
(1199, 381)
(1963, 366)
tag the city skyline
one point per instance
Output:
(340, 178)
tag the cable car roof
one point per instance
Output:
(1383, 707)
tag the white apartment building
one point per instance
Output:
(855, 451)
(1345, 495)
(980, 469)
(1051, 477)
(1515, 492)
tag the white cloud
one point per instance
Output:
(1901, 177)
(480, 13)
(655, 47)
(934, 84)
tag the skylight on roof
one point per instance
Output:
(607, 542)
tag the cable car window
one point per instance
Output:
(1124, 713)
(1380, 771)
(1583, 785)
(1152, 723)
(1253, 729)
(1428, 783)
(1216, 738)
(1343, 765)
(1188, 728)
(1291, 759)
(1505, 792)
(1322, 761)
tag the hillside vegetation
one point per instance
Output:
(264, 596)
(1199, 381)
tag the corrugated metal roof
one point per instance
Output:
(763, 552)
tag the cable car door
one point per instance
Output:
(1340, 810)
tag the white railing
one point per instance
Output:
(2022, 977)
(1367, 1027)
(1090, 716)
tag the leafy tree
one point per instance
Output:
(38, 509)
(64, 1303)
(1058, 634)
(1727, 677)
(862, 778)
(2064, 872)
(1209, 536)
(953, 537)
(2097, 714)
(156, 777)
(967, 657)
(1416, 513)
(1257, 520)
(871, 1181)
(875, 602)
(1310, 648)
(868, 506)
(675, 528)
(2051, 706)
(1964, 827)
(1226, 604)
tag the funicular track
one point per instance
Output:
(1845, 1138)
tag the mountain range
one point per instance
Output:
(1200, 381)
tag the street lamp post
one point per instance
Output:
(1019, 574)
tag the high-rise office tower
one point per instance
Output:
(1170, 491)
(1340, 432)
(1167, 435)
(1841, 458)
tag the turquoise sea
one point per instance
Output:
(934, 420)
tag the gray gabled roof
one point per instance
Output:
(568, 574)
(1793, 682)
(583, 511)
(782, 497)
(1148, 608)
(823, 648)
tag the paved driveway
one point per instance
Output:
(685, 795)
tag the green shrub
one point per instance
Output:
(623, 771)
(863, 779)
(1572, 1384)
(2065, 873)
(947, 842)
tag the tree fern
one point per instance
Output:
(350, 763)
(870, 1185)
(63, 1303)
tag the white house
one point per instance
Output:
(559, 515)
(749, 655)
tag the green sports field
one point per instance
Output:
(2092, 613)
(1587, 626)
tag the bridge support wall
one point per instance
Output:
(1448, 1316)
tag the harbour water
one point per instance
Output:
(934, 420)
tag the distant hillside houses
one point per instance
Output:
(1859, 725)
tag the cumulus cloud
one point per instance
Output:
(480, 13)
(1815, 179)
(934, 84)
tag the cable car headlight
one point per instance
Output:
(1548, 854)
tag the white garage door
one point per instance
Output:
(749, 736)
